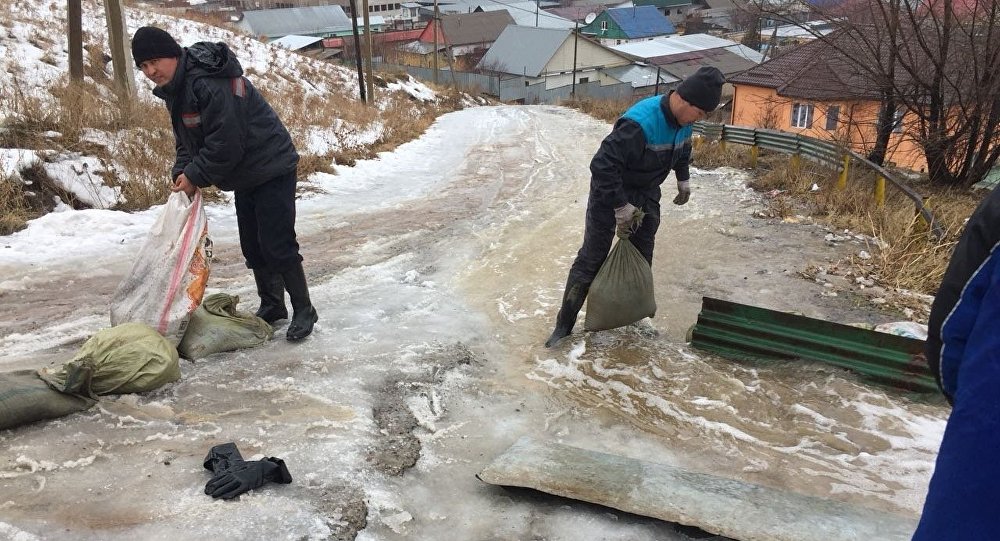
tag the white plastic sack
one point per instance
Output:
(168, 278)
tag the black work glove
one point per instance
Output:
(222, 457)
(246, 476)
(683, 192)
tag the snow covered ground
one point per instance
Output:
(437, 271)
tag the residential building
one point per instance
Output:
(626, 25)
(527, 14)
(551, 57)
(813, 90)
(317, 21)
(675, 10)
(464, 38)
(576, 13)
(683, 55)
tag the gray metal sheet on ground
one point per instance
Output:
(727, 507)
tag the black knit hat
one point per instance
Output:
(703, 89)
(150, 42)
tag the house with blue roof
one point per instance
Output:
(616, 26)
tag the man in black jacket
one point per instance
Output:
(652, 138)
(228, 136)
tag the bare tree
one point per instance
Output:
(938, 61)
(768, 113)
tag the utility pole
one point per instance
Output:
(576, 38)
(74, 13)
(370, 83)
(656, 89)
(357, 51)
(121, 52)
(437, 19)
(536, 13)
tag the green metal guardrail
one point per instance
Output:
(817, 150)
(742, 332)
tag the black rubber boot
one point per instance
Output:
(303, 314)
(271, 289)
(572, 303)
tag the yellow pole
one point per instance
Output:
(880, 191)
(842, 179)
(754, 151)
(920, 216)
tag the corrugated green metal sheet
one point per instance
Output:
(781, 142)
(708, 130)
(824, 151)
(735, 134)
(742, 332)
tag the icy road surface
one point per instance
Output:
(437, 270)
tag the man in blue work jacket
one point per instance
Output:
(652, 138)
(963, 349)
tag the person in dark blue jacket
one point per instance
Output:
(228, 136)
(652, 138)
(963, 350)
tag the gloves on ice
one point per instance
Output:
(683, 192)
(625, 219)
(222, 457)
(245, 476)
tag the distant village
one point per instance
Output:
(637, 48)
(546, 52)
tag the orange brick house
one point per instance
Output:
(812, 90)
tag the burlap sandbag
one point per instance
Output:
(622, 292)
(25, 398)
(218, 326)
(129, 358)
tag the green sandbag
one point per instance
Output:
(218, 326)
(622, 292)
(25, 398)
(128, 358)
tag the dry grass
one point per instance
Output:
(14, 211)
(606, 110)
(138, 138)
(28, 197)
(908, 256)
(142, 147)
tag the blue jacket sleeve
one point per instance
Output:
(961, 499)
(625, 143)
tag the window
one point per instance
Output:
(832, 117)
(584, 80)
(604, 26)
(802, 115)
(897, 120)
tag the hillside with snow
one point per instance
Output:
(98, 149)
